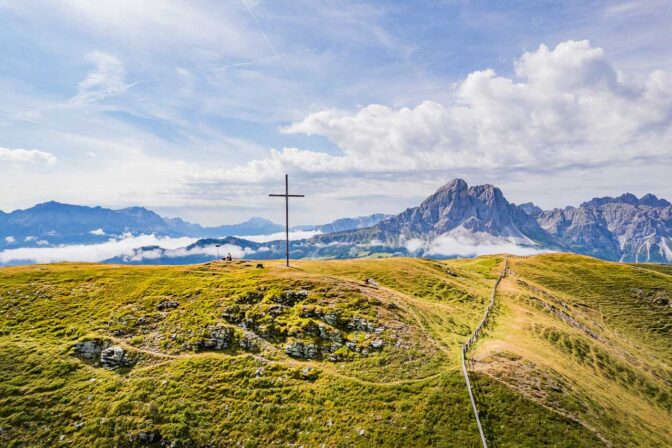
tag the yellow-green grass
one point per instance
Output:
(589, 339)
(410, 392)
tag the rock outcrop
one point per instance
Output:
(115, 357)
(301, 349)
(216, 337)
(103, 352)
(167, 305)
(90, 349)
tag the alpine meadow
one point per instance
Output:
(335, 224)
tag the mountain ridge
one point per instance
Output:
(56, 223)
(455, 220)
(480, 209)
(619, 229)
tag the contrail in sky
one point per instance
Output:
(270, 45)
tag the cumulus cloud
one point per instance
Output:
(91, 252)
(566, 107)
(107, 79)
(33, 156)
(97, 232)
(10, 240)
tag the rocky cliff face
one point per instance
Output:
(624, 228)
(468, 215)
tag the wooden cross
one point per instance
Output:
(287, 196)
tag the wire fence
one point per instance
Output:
(471, 341)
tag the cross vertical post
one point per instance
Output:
(287, 220)
(287, 196)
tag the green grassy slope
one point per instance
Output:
(590, 339)
(208, 346)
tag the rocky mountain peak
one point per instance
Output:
(51, 205)
(622, 228)
(455, 210)
(531, 208)
(488, 194)
(649, 200)
(456, 184)
(652, 200)
(455, 189)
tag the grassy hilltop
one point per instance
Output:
(231, 354)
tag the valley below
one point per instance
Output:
(576, 353)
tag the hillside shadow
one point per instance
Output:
(480, 397)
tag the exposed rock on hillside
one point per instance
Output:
(306, 323)
(215, 337)
(115, 357)
(90, 349)
(102, 351)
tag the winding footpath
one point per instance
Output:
(471, 341)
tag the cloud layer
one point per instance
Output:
(91, 252)
(371, 105)
(567, 107)
(293, 236)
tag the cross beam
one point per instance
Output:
(287, 196)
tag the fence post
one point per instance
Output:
(471, 341)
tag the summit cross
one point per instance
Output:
(287, 196)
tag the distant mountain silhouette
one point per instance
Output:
(56, 223)
(457, 220)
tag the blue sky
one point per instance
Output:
(196, 109)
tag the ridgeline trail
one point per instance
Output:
(471, 341)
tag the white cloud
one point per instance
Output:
(210, 251)
(234, 250)
(91, 252)
(449, 246)
(294, 235)
(10, 240)
(107, 79)
(33, 156)
(462, 243)
(567, 107)
(97, 232)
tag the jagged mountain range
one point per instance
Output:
(456, 217)
(53, 223)
(468, 215)
(624, 228)
(457, 220)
